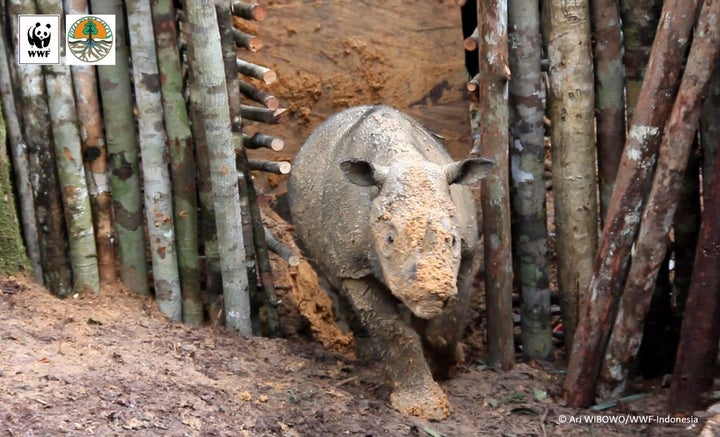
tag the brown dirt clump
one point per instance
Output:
(301, 285)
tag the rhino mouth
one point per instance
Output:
(430, 306)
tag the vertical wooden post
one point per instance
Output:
(493, 112)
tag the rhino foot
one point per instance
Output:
(430, 403)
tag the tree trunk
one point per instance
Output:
(710, 131)
(208, 228)
(20, 165)
(651, 243)
(12, 250)
(223, 171)
(527, 164)
(123, 155)
(153, 151)
(572, 105)
(71, 172)
(182, 161)
(95, 154)
(623, 217)
(495, 201)
(224, 17)
(609, 94)
(698, 349)
(639, 22)
(686, 227)
(41, 157)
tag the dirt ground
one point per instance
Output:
(113, 365)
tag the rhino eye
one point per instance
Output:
(390, 239)
(454, 241)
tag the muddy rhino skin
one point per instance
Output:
(378, 206)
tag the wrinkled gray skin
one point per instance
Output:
(378, 204)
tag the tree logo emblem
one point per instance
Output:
(90, 39)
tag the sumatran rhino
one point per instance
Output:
(382, 209)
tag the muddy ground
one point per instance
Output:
(113, 365)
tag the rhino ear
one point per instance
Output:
(468, 171)
(363, 173)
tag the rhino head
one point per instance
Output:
(414, 227)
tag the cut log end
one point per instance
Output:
(284, 167)
(269, 77)
(470, 43)
(277, 144)
(249, 11)
(293, 260)
(272, 102)
(255, 44)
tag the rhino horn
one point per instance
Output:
(363, 173)
(468, 171)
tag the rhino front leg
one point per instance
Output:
(442, 334)
(415, 392)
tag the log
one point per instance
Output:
(263, 260)
(259, 140)
(471, 42)
(700, 330)
(609, 96)
(280, 249)
(657, 218)
(613, 256)
(246, 41)
(265, 115)
(258, 95)
(474, 83)
(495, 205)
(277, 167)
(249, 11)
(257, 71)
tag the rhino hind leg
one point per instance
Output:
(415, 392)
(441, 335)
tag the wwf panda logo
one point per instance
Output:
(39, 36)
